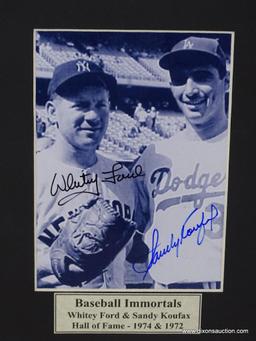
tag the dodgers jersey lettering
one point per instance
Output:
(183, 176)
(55, 206)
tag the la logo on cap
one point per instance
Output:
(188, 44)
(82, 66)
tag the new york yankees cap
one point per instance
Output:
(195, 50)
(83, 70)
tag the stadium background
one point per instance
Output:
(132, 57)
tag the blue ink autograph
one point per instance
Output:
(185, 232)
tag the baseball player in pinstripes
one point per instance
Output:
(183, 193)
(69, 173)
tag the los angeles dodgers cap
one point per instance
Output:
(195, 50)
(80, 69)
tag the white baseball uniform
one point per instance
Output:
(56, 202)
(185, 188)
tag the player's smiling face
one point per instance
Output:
(199, 93)
(83, 118)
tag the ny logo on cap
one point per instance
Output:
(82, 65)
(188, 44)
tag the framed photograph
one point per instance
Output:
(127, 187)
(131, 151)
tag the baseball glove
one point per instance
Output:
(89, 243)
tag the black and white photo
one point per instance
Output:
(132, 132)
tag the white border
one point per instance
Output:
(232, 33)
